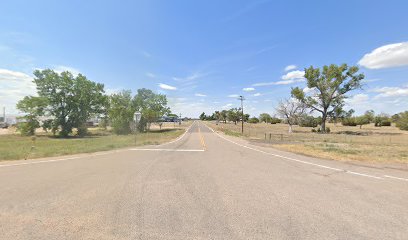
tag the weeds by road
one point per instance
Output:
(369, 144)
(13, 146)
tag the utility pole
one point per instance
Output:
(242, 113)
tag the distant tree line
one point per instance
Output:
(65, 102)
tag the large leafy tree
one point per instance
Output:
(152, 106)
(70, 100)
(330, 86)
(265, 117)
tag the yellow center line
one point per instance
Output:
(201, 138)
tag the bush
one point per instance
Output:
(380, 121)
(82, 130)
(314, 130)
(349, 122)
(253, 120)
(275, 120)
(402, 122)
(328, 130)
(28, 128)
(308, 121)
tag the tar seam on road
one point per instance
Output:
(309, 163)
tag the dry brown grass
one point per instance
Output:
(370, 144)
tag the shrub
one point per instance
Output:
(28, 128)
(402, 122)
(380, 121)
(275, 120)
(308, 121)
(351, 121)
(253, 120)
(328, 130)
(314, 130)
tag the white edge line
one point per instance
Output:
(167, 150)
(36, 162)
(179, 138)
(398, 178)
(300, 161)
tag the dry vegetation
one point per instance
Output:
(370, 144)
(13, 146)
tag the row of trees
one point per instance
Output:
(65, 102)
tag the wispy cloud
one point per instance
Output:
(150, 75)
(167, 87)
(226, 106)
(257, 94)
(247, 8)
(233, 95)
(200, 95)
(290, 67)
(191, 77)
(62, 68)
(248, 89)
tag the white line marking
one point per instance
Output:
(296, 160)
(167, 150)
(36, 162)
(362, 174)
(179, 138)
(398, 178)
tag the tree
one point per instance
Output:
(234, 115)
(402, 122)
(291, 110)
(152, 106)
(34, 107)
(253, 120)
(370, 116)
(362, 120)
(223, 116)
(265, 117)
(202, 116)
(330, 86)
(121, 111)
(71, 101)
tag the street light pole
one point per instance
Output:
(242, 113)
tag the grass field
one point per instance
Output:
(14, 146)
(369, 144)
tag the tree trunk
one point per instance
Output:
(290, 128)
(323, 125)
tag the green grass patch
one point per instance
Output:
(13, 147)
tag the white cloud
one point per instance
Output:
(248, 89)
(60, 68)
(391, 55)
(294, 75)
(308, 90)
(150, 75)
(166, 87)
(200, 95)
(226, 106)
(391, 92)
(257, 94)
(357, 100)
(233, 95)
(14, 86)
(191, 77)
(290, 67)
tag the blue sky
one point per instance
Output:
(203, 53)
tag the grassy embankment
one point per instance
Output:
(369, 144)
(14, 146)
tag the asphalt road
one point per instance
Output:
(202, 186)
